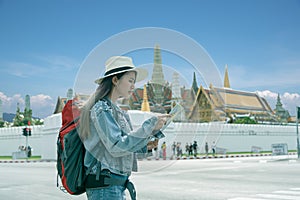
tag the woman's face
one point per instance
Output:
(125, 85)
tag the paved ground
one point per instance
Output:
(251, 178)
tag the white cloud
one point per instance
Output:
(289, 100)
(267, 94)
(292, 97)
(9, 104)
(40, 100)
(3, 97)
(42, 105)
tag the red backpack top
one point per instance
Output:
(70, 118)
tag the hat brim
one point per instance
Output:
(141, 74)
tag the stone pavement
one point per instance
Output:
(191, 179)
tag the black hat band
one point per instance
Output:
(117, 70)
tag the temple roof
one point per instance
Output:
(234, 101)
(61, 102)
(59, 105)
(241, 100)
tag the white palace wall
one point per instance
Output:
(12, 138)
(232, 137)
(52, 125)
(42, 139)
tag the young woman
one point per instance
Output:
(107, 133)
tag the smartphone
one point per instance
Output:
(174, 112)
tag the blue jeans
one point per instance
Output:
(115, 192)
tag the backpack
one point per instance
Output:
(70, 152)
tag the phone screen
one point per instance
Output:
(174, 112)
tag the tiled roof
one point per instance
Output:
(241, 100)
(231, 101)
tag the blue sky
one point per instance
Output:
(44, 43)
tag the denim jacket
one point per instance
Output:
(112, 140)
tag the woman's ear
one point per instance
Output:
(115, 80)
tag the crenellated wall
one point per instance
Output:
(52, 125)
(232, 137)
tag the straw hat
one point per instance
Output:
(119, 64)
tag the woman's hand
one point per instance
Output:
(162, 118)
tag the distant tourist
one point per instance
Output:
(195, 148)
(174, 148)
(164, 150)
(190, 149)
(206, 148)
(179, 150)
(187, 148)
(213, 148)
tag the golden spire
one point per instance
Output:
(226, 78)
(145, 105)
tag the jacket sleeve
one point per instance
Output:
(115, 140)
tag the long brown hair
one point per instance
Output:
(103, 90)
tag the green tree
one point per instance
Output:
(245, 120)
(38, 122)
(1, 124)
(19, 118)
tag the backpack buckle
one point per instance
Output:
(107, 177)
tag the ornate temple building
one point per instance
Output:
(61, 101)
(163, 95)
(159, 90)
(282, 114)
(221, 104)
